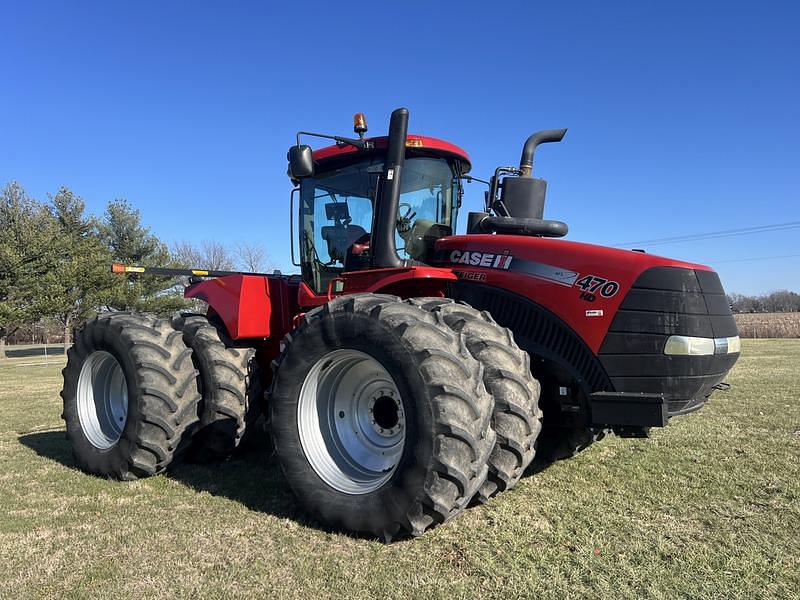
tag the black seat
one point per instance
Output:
(340, 238)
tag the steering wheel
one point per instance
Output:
(404, 221)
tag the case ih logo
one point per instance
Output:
(481, 259)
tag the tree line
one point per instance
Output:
(779, 301)
(55, 261)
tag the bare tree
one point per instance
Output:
(782, 301)
(210, 254)
(186, 254)
(216, 256)
(778, 301)
(251, 257)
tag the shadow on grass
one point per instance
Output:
(538, 465)
(251, 477)
(50, 444)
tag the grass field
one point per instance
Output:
(708, 507)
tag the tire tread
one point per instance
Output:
(462, 408)
(163, 414)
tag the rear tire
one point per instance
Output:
(507, 376)
(229, 383)
(437, 441)
(130, 396)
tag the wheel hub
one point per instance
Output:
(351, 421)
(387, 413)
(102, 399)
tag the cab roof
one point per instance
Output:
(416, 145)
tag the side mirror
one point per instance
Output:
(301, 162)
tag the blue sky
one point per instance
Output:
(683, 117)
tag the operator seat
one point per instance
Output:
(358, 256)
(340, 238)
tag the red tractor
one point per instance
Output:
(407, 371)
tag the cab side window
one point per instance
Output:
(336, 220)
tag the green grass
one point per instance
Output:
(708, 507)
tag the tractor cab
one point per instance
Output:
(342, 188)
(339, 196)
(384, 202)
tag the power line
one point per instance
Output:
(730, 260)
(715, 234)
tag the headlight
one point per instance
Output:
(685, 345)
(727, 345)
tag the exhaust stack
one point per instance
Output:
(540, 137)
(523, 196)
(520, 205)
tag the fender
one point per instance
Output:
(405, 282)
(250, 306)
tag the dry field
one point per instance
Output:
(768, 325)
(709, 507)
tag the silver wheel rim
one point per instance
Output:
(351, 421)
(102, 399)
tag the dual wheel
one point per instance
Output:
(390, 416)
(140, 392)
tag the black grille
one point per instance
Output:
(667, 301)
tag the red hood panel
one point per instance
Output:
(582, 283)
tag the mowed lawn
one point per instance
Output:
(708, 507)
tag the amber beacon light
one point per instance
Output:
(360, 124)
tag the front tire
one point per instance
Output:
(517, 418)
(130, 396)
(385, 370)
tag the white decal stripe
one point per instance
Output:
(549, 273)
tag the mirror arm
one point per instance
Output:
(470, 179)
(361, 144)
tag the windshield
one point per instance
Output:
(336, 210)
